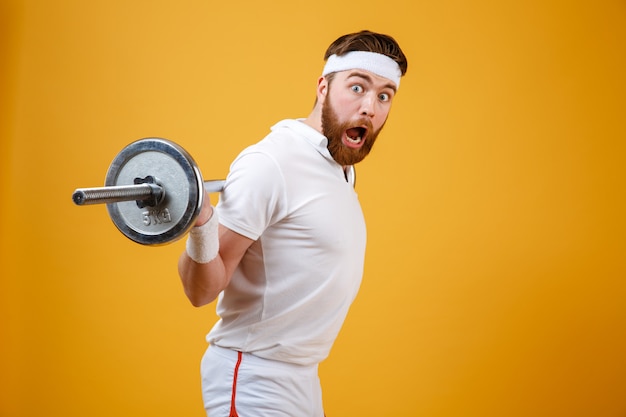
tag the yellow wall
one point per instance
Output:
(495, 198)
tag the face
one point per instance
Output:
(353, 113)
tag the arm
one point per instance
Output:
(203, 282)
(254, 180)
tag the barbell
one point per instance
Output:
(153, 190)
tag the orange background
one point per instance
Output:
(495, 200)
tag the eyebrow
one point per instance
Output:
(369, 79)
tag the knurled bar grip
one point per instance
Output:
(139, 192)
(115, 194)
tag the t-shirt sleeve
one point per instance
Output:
(253, 196)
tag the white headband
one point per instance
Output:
(378, 64)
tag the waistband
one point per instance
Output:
(253, 360)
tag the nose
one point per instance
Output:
(368, 104)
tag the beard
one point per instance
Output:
(334, 130)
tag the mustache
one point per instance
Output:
(364, 122)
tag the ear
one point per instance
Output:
(322, 89)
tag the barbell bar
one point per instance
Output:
(145, 193)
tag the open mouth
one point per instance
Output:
(355, 135)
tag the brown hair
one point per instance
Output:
(369, 42)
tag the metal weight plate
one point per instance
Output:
(176, 172)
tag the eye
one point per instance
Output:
(384, 97)
(357, 88)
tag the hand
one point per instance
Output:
(206, 212)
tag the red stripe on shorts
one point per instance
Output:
(233, 410)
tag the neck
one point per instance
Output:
(315, 118)
(315, 121)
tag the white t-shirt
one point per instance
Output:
(292, 290)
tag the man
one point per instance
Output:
(286, 254)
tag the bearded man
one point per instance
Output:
(283, 250)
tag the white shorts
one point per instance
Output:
(236, 384)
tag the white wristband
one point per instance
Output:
(203, 242)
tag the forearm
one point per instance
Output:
(200, 266)
(210, 258)
(202, 282)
